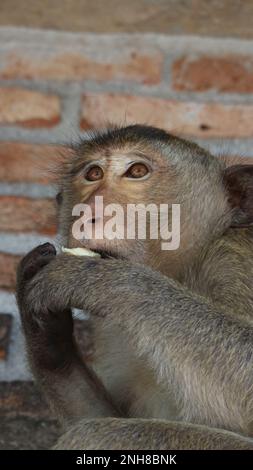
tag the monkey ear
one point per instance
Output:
(238, 180)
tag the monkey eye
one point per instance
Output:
(137, 171)
(94, 173)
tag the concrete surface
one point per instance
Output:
(25, 421)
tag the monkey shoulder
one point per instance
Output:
(223, 273)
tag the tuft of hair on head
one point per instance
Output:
(116, 135)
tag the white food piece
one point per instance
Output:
(80, 252)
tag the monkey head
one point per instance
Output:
(133, 165)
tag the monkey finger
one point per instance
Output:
(35, 260)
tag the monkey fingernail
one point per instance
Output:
(47, 249)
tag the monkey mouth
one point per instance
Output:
(106, 254)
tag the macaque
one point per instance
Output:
(172, 329)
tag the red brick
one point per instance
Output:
(232, 74)
(20, 214)
(8, 268)
(131, 65)
(5, 332)
(21, 162)
(28, 108)
(186, 118)
(236, 160)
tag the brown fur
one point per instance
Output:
(172, 330)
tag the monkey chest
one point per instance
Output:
(130, 380)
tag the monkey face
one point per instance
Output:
(127, 182)
(111, 186)
(146, 168)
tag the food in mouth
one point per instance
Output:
(79, 252)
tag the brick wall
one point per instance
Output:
(54, 86)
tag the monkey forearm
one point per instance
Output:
(75, 393)
(168, 324)
(72, 389)
(141, 434)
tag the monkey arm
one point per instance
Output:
(147, 434)
(70, 386)
(205, 356)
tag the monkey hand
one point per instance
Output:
(31, 264)
(109, 288)
(48, 325)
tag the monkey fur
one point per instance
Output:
(172, 330)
